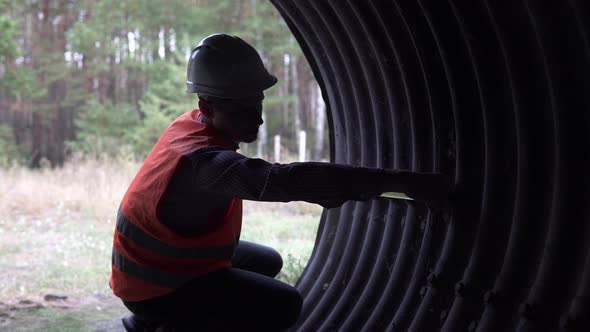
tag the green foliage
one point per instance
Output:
(164, 101)
(8, 47)
(114, 53)
(22, 82)
(292, 268)
(166, 90)
(9, 152)
(3, 5)
(17, 80)
(76, 95)
(289, 235)
(83, 38)
(143, 137)
(103, 129)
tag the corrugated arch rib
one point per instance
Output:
(494, 94)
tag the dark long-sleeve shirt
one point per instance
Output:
(207, 179)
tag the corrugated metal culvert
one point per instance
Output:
(495, 94)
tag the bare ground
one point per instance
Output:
(56, 228)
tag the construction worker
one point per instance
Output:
(178, 261)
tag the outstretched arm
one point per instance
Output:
(328, 184)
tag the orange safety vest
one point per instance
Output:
(149, 259)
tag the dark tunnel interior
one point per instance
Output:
(496, 94)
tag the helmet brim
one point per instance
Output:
(231, 91)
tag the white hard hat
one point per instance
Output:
(225, 66)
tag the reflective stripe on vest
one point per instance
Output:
(149, 259)
(156, 276)
(144, 240)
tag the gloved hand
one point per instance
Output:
(434, 189)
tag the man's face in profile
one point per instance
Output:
(238, 118)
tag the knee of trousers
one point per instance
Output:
(276, 261)
(293, 304)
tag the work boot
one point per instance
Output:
(134, 323)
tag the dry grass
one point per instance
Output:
(91, 187)
(56, 228)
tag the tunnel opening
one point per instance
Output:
(494, 95)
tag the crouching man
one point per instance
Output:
(178, 263)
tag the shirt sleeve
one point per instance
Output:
(329, 184)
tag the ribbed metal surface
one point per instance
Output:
(497, 95)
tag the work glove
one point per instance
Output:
(433, 189)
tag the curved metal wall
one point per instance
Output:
(497, 95)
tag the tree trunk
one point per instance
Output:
(320, 124)
(295, 86)
(262, 138)
(41, 29)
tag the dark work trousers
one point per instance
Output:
(245, 297)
